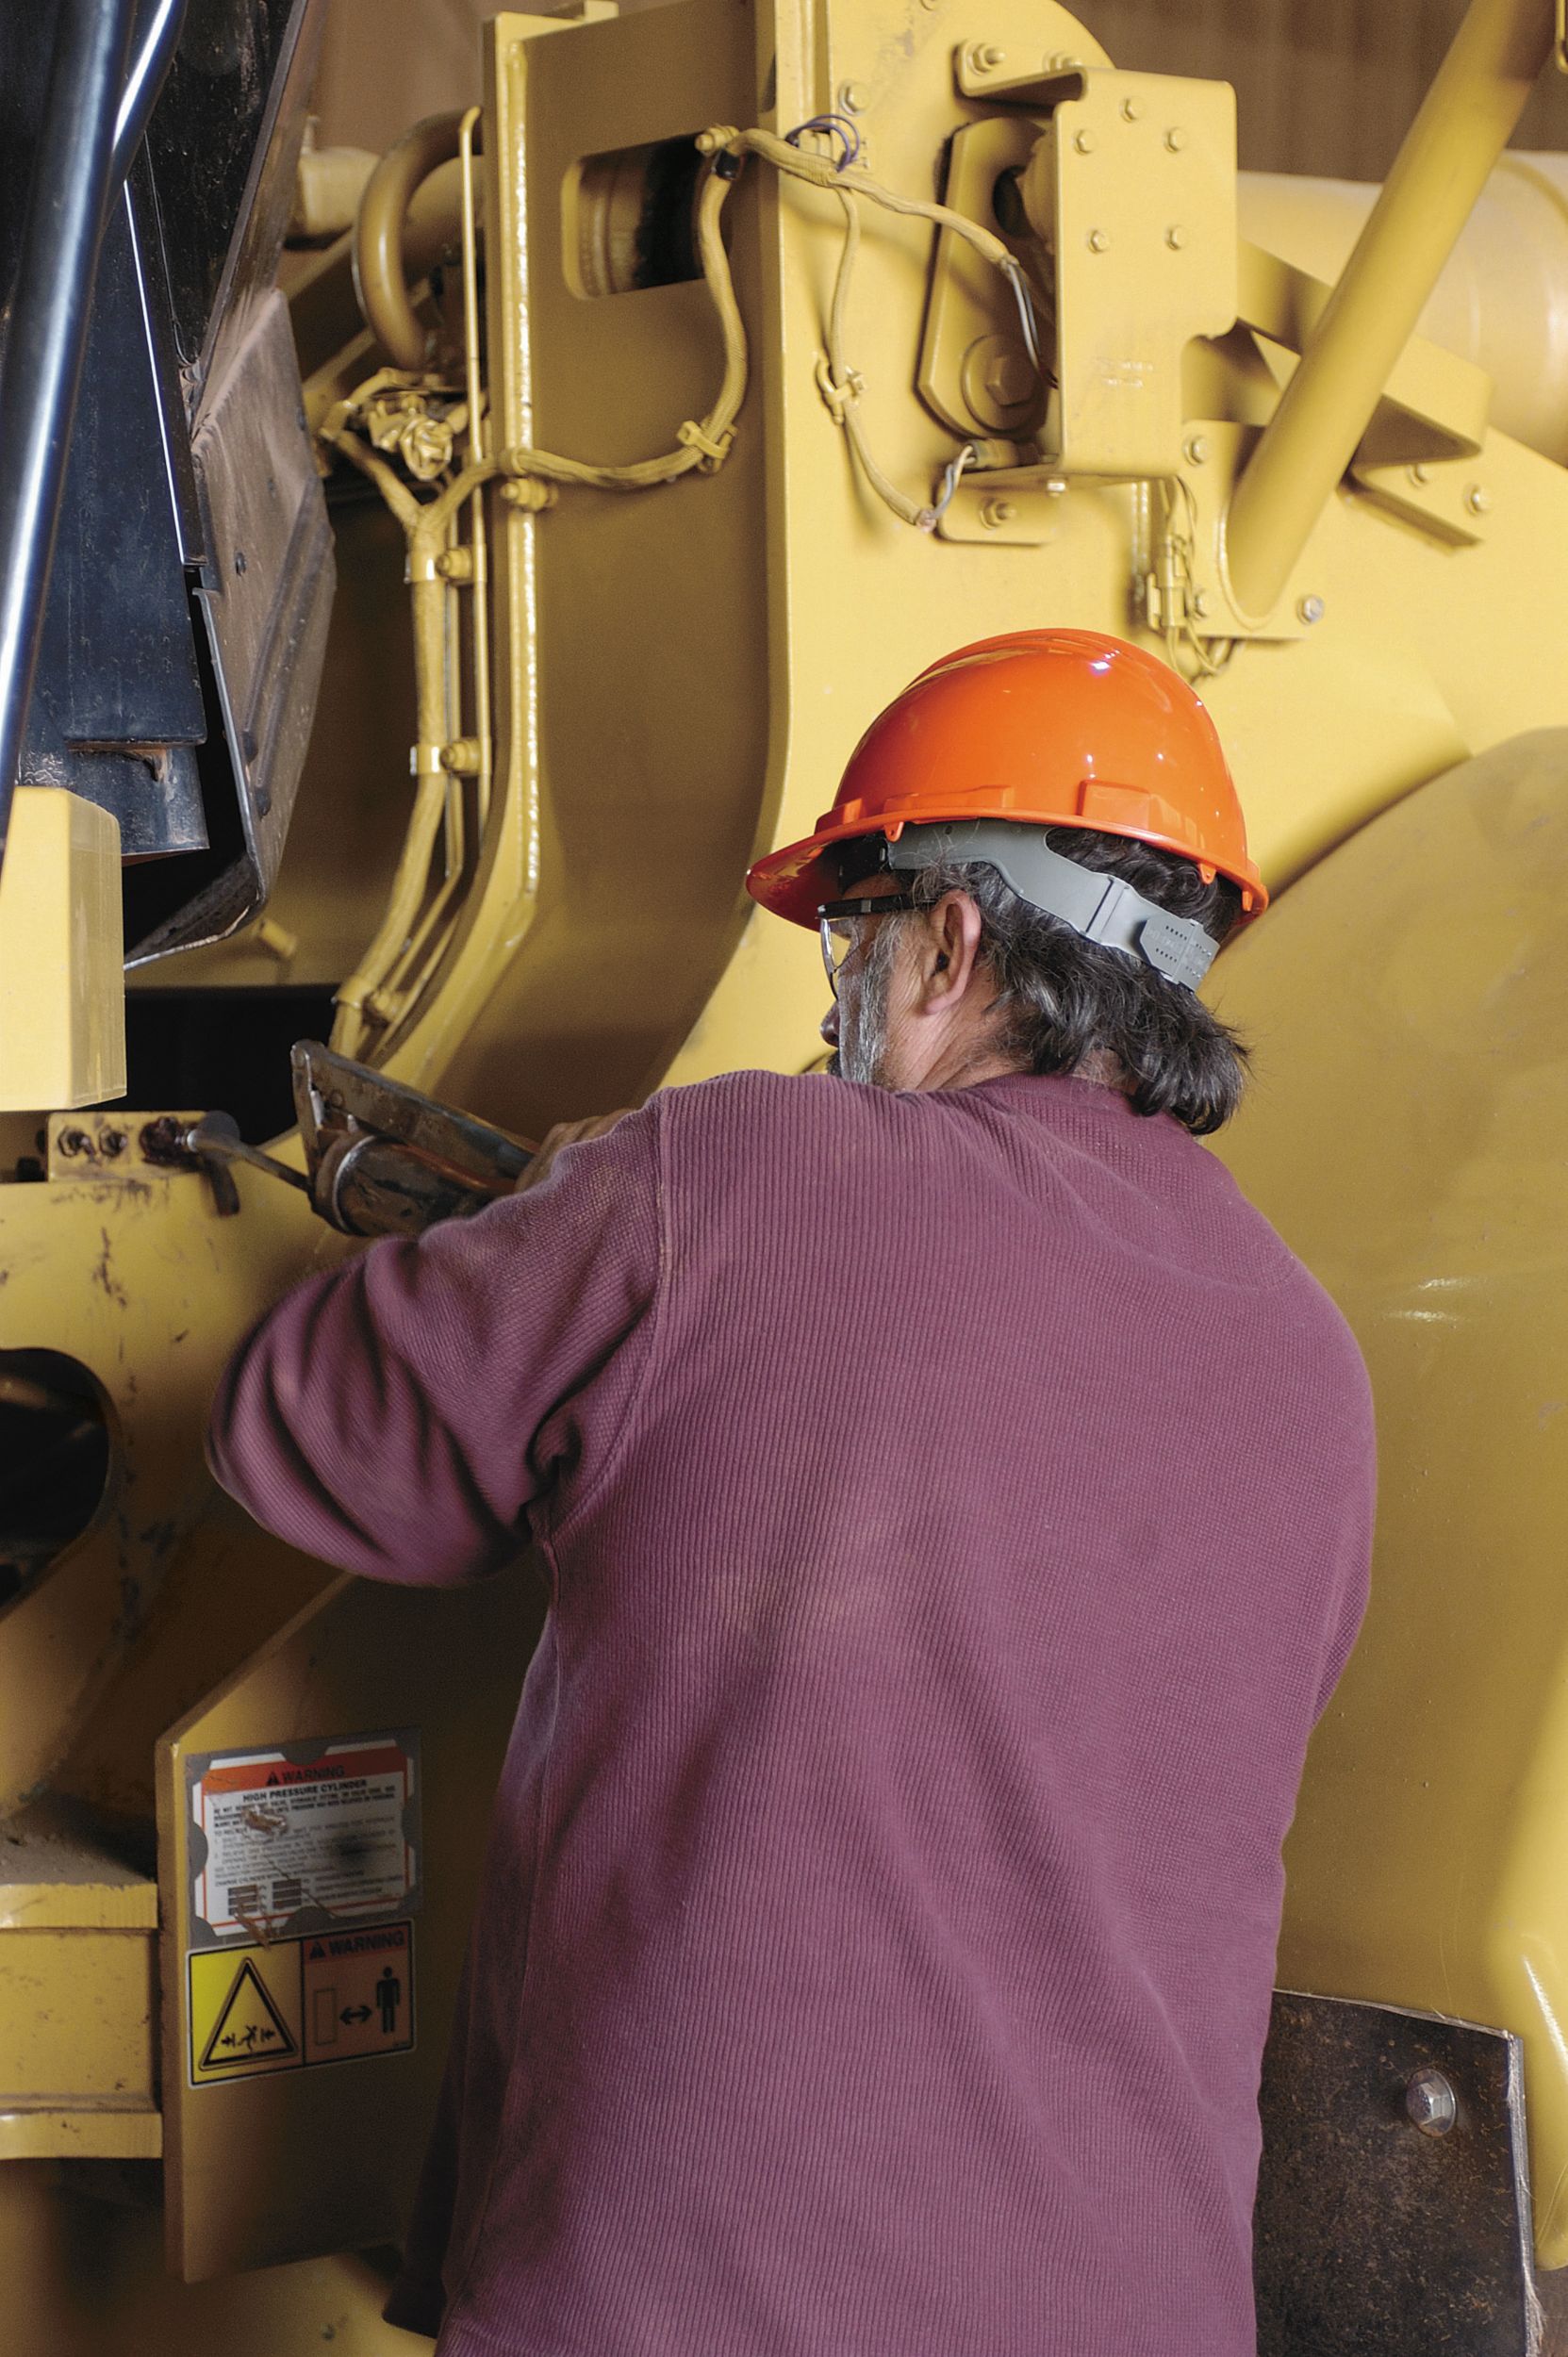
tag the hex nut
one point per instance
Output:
(1196, 448)
(1309, 609)
(995, 512)
(1176, 139)
(1176, 237)
(1098, 241)
(1008, 378)
(1478, 498)
(854, 97)
(1085, 142)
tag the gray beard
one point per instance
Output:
(864, 1056)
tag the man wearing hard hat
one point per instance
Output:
(957, 1503)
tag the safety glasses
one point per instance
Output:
(835, 921)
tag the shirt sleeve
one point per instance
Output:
(406, 1414)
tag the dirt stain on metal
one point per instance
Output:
(102, 1273)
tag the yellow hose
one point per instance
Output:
(379, 279)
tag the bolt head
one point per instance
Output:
(854, 97)
(997, 512)
(1419, 473)
(1196, 448)
(1098, 241)
(1478, 498)
(1176, 139)
(1176, 237)
(1309, 609)
(1431, 2103)
(1200, 603)
(1131, 110)
(1010, 379)
(1085, 142)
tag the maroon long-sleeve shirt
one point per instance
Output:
(956, 1508)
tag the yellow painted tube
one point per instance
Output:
(1463, 125)
(379, 274)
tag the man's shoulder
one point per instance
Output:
(780, 1127)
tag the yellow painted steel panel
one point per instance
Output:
(77, 2010)
(62, 1016)
(1408, 1133)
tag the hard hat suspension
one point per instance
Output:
(1103, 909)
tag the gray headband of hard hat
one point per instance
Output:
(1103, 909)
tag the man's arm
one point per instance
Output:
(401, 1414)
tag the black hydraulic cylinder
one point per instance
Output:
(41, 366)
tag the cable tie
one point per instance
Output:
(839, 394)
(714, 449)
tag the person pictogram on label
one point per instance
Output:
(388, 1996)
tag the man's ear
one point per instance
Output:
(949, 953)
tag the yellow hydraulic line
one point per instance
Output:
(1464, 122)
(379, 267)
(479, 607)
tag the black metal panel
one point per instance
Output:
(117, 662)
(1372, 2234)
(189, 473)
(219, 99)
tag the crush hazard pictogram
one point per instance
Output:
(246, 2012)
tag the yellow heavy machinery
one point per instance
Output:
(667, 410)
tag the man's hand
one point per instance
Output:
(566, 1133)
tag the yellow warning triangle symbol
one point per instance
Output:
(249, 2027)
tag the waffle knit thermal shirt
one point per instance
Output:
(956, 1509)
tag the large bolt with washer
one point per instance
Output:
(1431, 2103)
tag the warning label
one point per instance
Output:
(245, 2015)
(358, 1993)
(335, 1831)
(330, 1997)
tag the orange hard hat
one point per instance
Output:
(1048, 728)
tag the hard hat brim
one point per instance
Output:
(795, 881)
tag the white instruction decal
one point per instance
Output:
(329, 1836)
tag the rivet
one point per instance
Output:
(1176, 139)
(995, 512)
(1196, 448)
(1200, 603)
(1309, 609)
(1098, 242)
(1478, 498)
(1419, 473)
(854, 97)
(1176, 237)
(1085, 142)
(1431, 2103)
(1131, 110)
